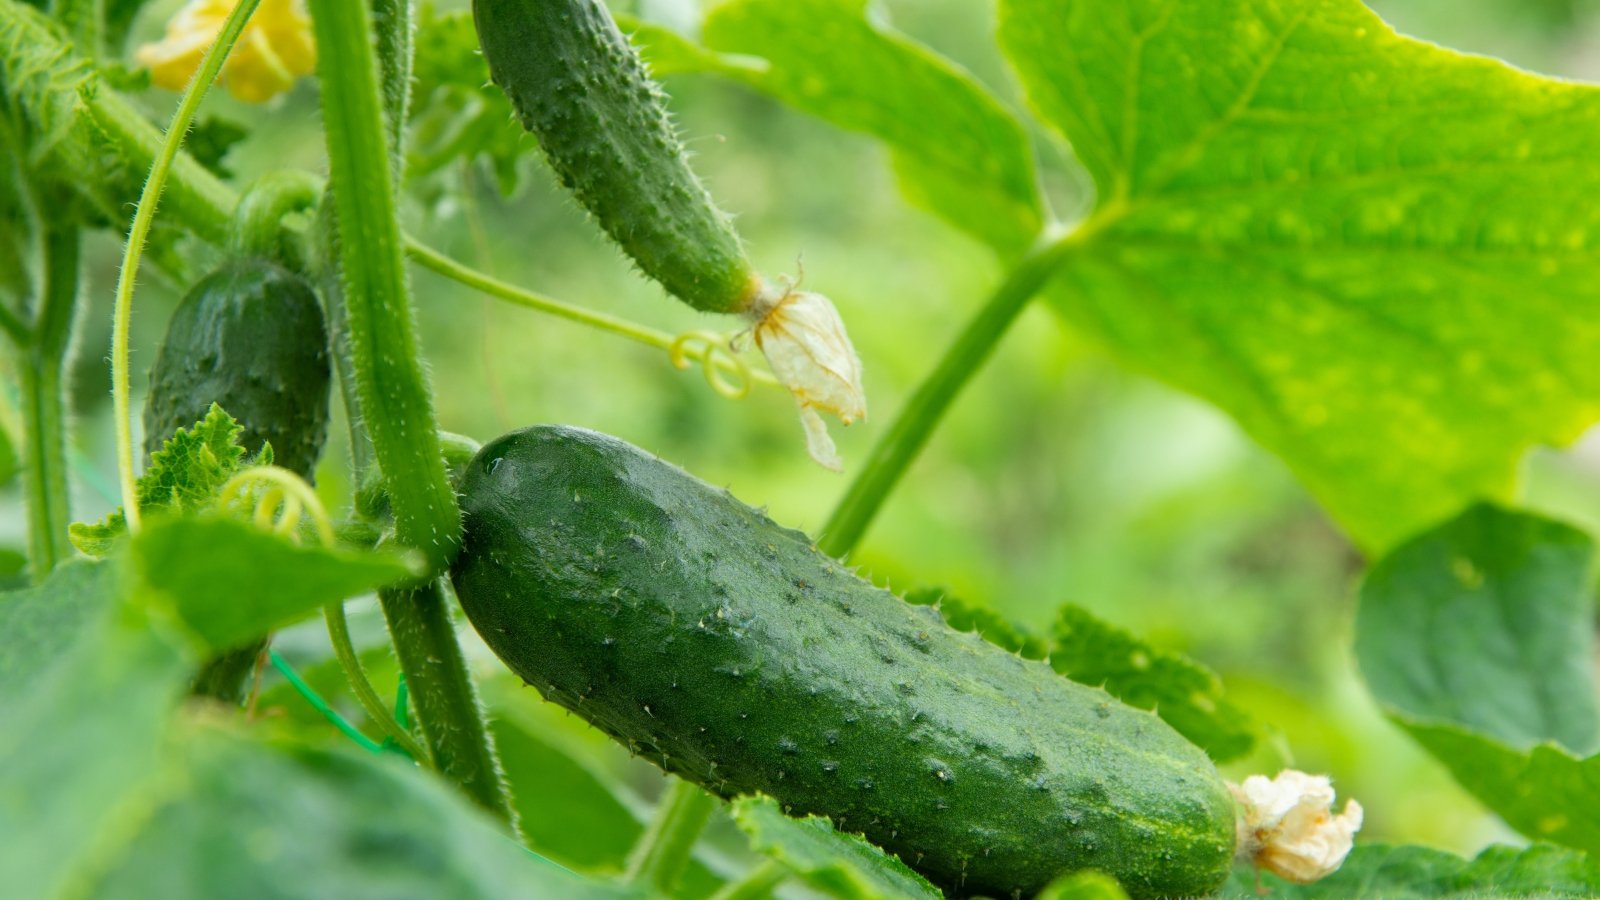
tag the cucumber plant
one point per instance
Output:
(1370, 251)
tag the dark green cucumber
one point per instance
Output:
(732, 652)
(580, 87)
(249, 337)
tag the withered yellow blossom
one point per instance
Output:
(275, 49)
(1287, 826)
(806, 344)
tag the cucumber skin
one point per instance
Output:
(580, 87)
(250, 337)
(730, 651)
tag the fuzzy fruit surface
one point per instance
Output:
(730, 651)
(580, 87)
(251, 338)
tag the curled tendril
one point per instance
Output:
(715, 354)
(279, 507)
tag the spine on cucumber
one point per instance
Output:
(730, 651)
(580, 87)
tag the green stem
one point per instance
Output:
(659, 859)
(143, 216)
(44, 404)
(757, 884)
(258, 218)
(375, 708)
(447, 705)
(391, 388)
(437, 262)
(906, 436)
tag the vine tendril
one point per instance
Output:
(279, 508)
(715, 354)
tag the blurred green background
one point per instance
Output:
(1058, 476)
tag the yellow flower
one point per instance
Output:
(275, 49)
(806, 345)
(1287, 826)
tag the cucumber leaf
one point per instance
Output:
(1187, 695)
(230, 581)
(839, 865)
(1478, 639)
(86, 685)
(257, 813)
(1369, 250)
(958, 150)
(184, 476)
(1415, 873)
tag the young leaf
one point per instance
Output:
(86, 687)
(1478, 639)
(963, 152)
(1184, 693)
(184, 476)
(230, 581)
(1415, 873)
(257, 818)
(840, 865)
(1371, 251)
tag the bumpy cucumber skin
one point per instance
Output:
(730, 651)
(580, 87)
(250, 337)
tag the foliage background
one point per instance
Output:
(1058, 476)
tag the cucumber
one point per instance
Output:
(732, 652)
(250, 337)
(580, 87)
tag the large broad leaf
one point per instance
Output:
(957, 149)
(1187, 695)
(1375, 253)
(1478, 638)
(86, 685)
(840, 865)
(231, 582)
(275, 820)
(1413, 873)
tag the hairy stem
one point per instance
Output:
(143, 216)
(391, 389)
(447, 705)
(44, 404)
(659, 859)
(905, 438)
(350, 662)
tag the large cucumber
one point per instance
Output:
(250, 337)
(580, 87)
(732, 652)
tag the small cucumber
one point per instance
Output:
(730, 651)
(249, 337)
(581, 88)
